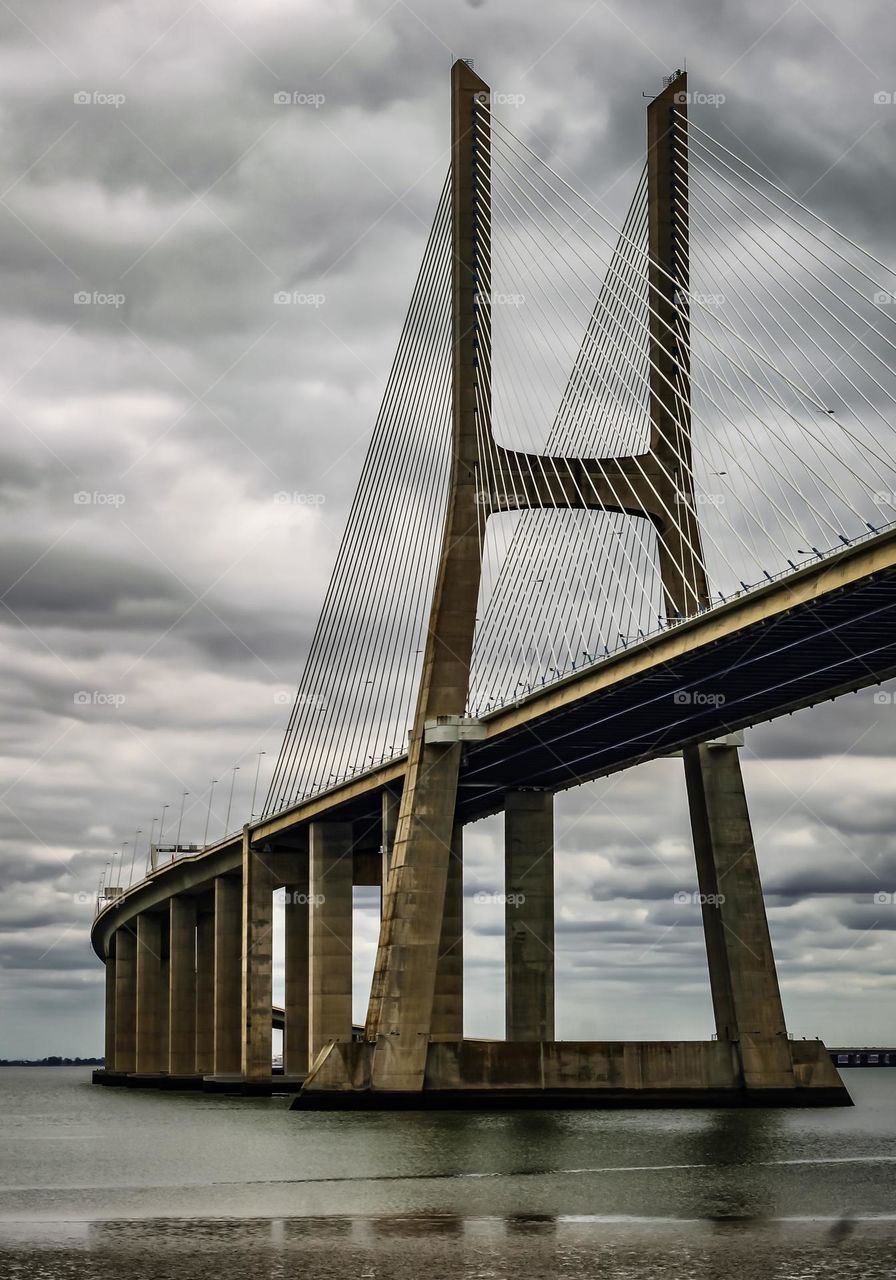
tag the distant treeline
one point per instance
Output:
(51, 1062)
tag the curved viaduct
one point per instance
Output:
(188, 949)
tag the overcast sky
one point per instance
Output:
(146, 165)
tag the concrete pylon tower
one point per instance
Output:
(743, 978)
(402, 1025)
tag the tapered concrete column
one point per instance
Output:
(182, 987)
(109, 1028)
(205, 992)
(745, 994)
(125, 999)
(448, 1004)
(149, 995)
(390, 805)
(330, 934)
(295, 1033)
(257, 961)
(529, 915)
(228, 974)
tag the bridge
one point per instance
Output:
(609, 513)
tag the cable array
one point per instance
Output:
(363, 667)
(782, 405)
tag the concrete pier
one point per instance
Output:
(448, 1002)
(330, 934)
(228, 975)
(257, 961)
(529, 915)
(125, 999)
(205, 991)
(296, 943)
(182, 998)
(149, 1059)
(109, 1050)
(743, 979)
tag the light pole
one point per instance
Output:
(162, 821)
(137, 833)
(208, 814)
(180, 823)
(255, 788)
(236, 770)
(150, 856)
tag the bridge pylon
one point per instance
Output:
(406, 1057)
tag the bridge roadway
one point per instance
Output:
(824, 630)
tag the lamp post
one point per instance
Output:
(208, 813)
(236, 770)
(180, 823)
(137, 833)
(255, 788)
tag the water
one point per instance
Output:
(108, 1182)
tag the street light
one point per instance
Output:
(236, 770)
(137, 833)
(162, 821)
(255, 788)
(208, 812)
(180, 823)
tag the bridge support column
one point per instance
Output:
(330, 934)
(744, 982)
(149, 995)
(109, 1028)
(390, 804)
(125, 999)
(182, 987)
(295, 1032)
(257, 962)
(448, 1002)
(205, 992)
(228, 972)
(529, 915)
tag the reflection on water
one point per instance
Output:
(99, 1182)
(533, 1246)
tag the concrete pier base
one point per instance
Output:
(480, 1074)
(529, 915)
(228, 975)
(330, 935)
(149, 1058)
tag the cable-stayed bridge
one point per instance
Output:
(631, 489)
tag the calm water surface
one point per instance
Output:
(107, 1182)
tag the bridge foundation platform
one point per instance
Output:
(500, 1075)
